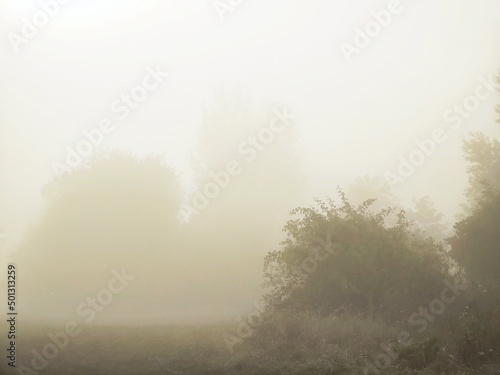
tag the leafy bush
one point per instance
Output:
(369, 267)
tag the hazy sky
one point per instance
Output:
(354, 118)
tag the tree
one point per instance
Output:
(423, 214)
(483, 155)
(371, 267)
(497, 109)
(117, 213)
(427, 219)
(476, 248)
(476, 243)
(244, 220)
(373, 187)
(270, 182)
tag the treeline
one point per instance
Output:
(361, 254)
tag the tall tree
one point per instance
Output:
(244, 220)
(476, 243)
(117, 213)
(483, 155)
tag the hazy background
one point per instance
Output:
(352, 119)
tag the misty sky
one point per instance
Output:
(354, 119)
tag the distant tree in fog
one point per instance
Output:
(243, 222)
(427, 219)
(423, 214)
(119, 211)
(271, 182)
(248, 214)
(483, 155)
(372, 187)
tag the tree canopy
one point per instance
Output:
(118, 212)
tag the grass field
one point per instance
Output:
(282, 345)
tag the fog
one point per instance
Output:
(209, 81)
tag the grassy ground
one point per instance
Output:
(282, 345)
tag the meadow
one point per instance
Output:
(301, 344)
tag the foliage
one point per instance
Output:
(483, 155)
(423, 214)
(427, 219)
(117, 212)
(476, 243)
(374, 268)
